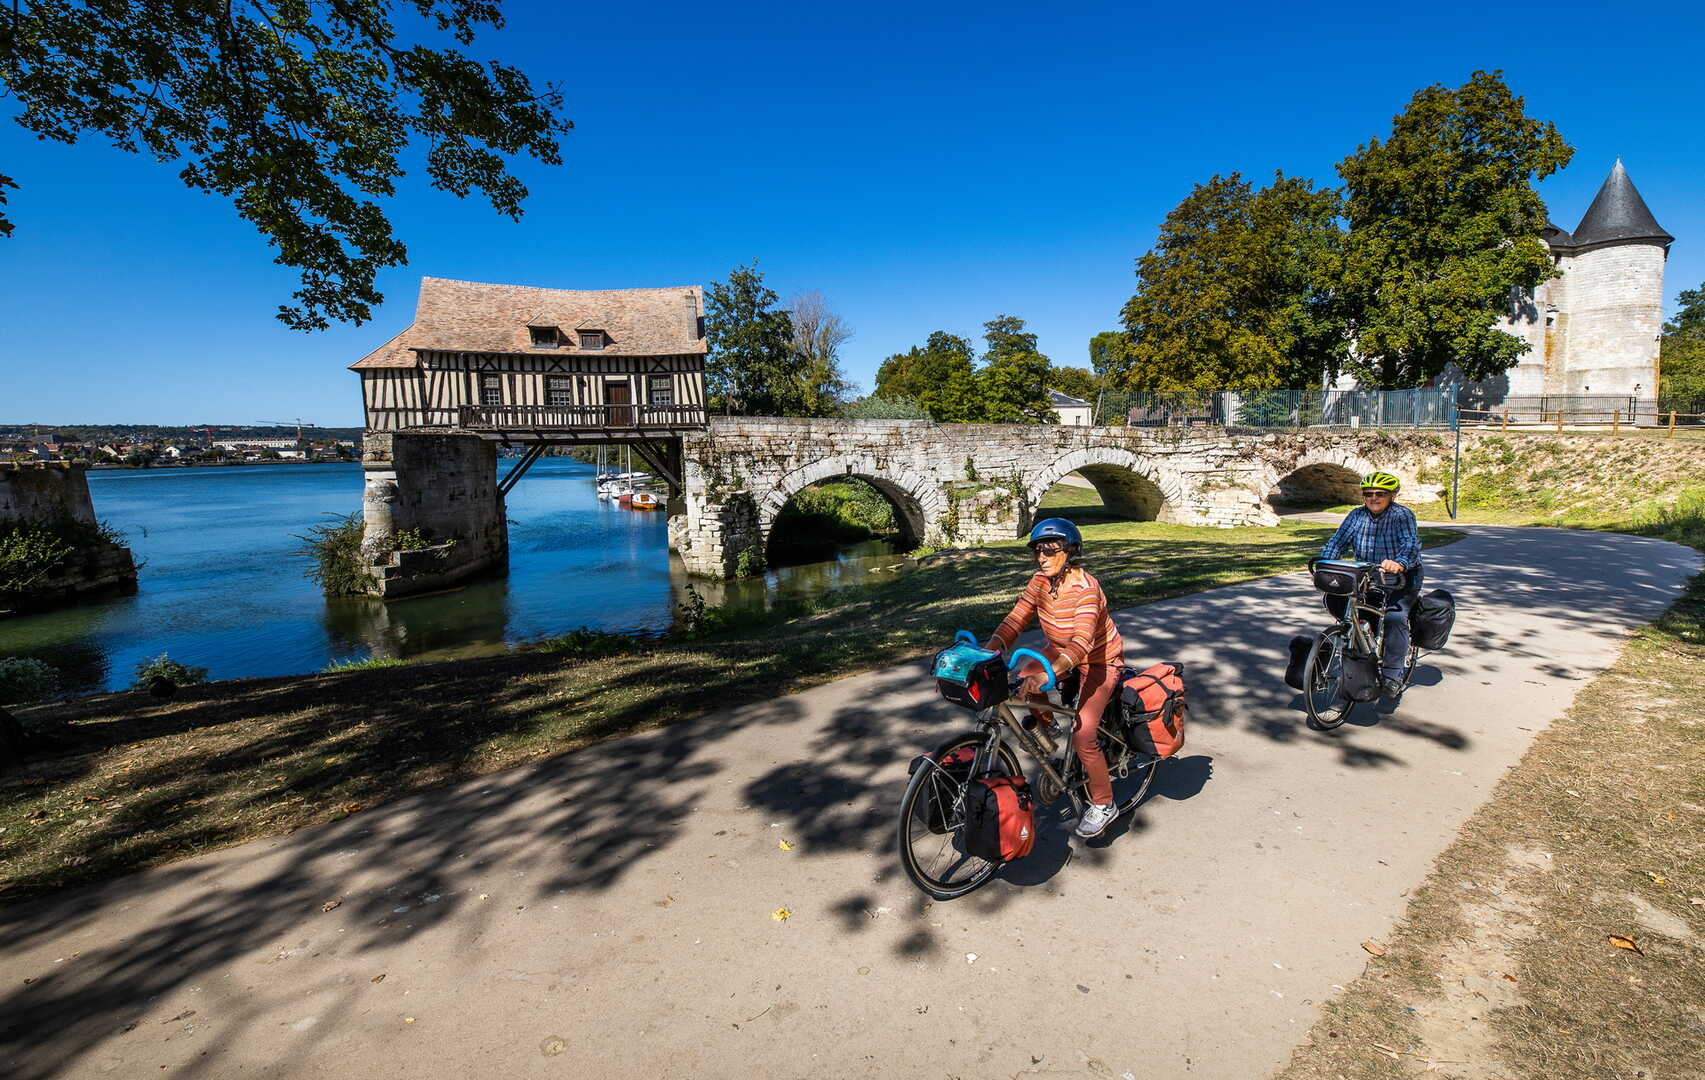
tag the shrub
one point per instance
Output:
(335, 548)
(585, 641)
(338, 667)
(30, 551)
(750, 562)
(164, 669)
(23, 680)
(877, 408)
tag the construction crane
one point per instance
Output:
(299, 422)
(211, 428)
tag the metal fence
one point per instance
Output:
(1425, 407)
(1591, 408)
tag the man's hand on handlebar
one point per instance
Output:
(1392, 566)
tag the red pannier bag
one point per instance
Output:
(1153, 703)
(1000, 818)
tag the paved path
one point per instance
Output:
(541, 924)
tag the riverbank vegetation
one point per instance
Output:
(123, 781)
(333, 548)
(32, 552)
(1559, 937)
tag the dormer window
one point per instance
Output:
(544, 337)
(592, 339)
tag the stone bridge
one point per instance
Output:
(974, 483)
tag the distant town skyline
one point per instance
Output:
(923, 171)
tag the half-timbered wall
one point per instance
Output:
(430, 394)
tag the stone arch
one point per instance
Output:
(917, 503)
(1128, 483)
(1318, 477)
(1322, 476)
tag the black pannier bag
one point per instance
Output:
(1432, 619)
(972, 677)
(1300, 646)
(1361, 678)
(1337, 579)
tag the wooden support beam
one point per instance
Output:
(664, 457)
(519, 469)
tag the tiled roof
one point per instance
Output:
(472, 316)
(1618, 213)
(1058, 400)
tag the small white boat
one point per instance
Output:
(645, 500)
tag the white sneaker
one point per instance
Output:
(1095, 820)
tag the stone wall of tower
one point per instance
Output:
(1615, 317)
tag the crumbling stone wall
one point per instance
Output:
(441, 488)
(976, 483)
(50, 494)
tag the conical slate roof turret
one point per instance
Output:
(1617, 213)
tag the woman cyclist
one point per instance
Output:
(1081, 637)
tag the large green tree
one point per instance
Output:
(1237, 293)
(940, 376)
(1110, 356)
(1014, 377)
(818, 335)
(1443, 222)
(751, 366)
(1681, 359)
(300, 113)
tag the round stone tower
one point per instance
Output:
(1610, 296)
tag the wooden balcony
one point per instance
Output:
(574, 418)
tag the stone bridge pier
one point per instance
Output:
(976, 483)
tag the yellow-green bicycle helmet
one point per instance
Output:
(1381, 481)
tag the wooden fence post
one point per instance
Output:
(1616, 421)
(1559, 421)
(1506, 419)
(1671, 434)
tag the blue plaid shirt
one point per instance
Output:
(1391, 535)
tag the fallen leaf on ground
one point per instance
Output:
(786, 845)
(1510, 977)
(1624, 943)
(1696, 900)
(331, 904)
(350, 808)
(1374, 947)
(1657, 879)
(377, 978)
(781, 914)
(1387, 1051)
(408, 1019)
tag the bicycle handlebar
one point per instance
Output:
(967, 637)
(1018, 654)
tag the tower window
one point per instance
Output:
(544, 337)
(592, 339)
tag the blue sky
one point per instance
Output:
(924, 166)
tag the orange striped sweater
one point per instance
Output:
(1075, 620)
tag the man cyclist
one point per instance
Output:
(1381, 531)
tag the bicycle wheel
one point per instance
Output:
(1323, 682)
(931, 829)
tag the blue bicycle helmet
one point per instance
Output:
(1055, 529)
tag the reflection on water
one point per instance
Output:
(858, 564)
(221, 583)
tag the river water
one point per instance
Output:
(222, 585)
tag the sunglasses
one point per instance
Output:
(1049, 548)
(1376, 491)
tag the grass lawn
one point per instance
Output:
(130, 781)
(1513, 958)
